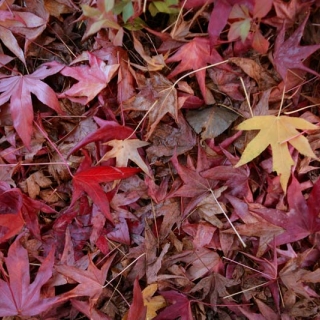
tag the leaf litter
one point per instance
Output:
(126, 190)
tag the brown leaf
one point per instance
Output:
(157, 97)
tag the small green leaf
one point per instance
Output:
(127, 12)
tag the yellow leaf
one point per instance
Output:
(125, 150)
(152, 303)
(277, 132)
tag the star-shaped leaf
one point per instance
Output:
(19, 88)
(277, 131)
(125, 150)
(195, 55)
(289, 54)
(91, 79)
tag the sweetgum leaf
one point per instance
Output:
(277, 132)
(18, 90)
(289, 54)
(19, 296)
(88, 181)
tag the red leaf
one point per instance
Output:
(92, 79)
(299, 222)
(88, 181)
(11, 220)
(19, 88)
(137, 309)
(109, 130)
(195, 55)
(19, 297)
(180, 307)
(289, 54)
(194, 184)
(90, 281)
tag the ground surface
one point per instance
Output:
(158, 159)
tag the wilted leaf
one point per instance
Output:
(210, 122)
(157, 97)
(153, 303)
(125, 150)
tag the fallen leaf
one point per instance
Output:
(153, 303)
(98, 18)
(138, 310)
(36, 181)
(11, 219)
(109, 130)
(180, 306)
(193, 56)
(88, 181)
(154, 63)
(90, 282)
(21, 87)
(157, 97)
(210, 122)
(91, 79)
(255, 71)
(20, 297)
(289, 54)
(125, 150)
(277, 131)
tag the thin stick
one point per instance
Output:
(243, 265)
(232, 226)
(33, 164)
(247, 97)
(203, 68)
(246, 290)
(282, 99)
(128, 266)
(307, 107)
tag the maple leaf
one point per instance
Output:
(100, 17)
(11, 219)
(138, 310)
(287, 13)
(302, 218)
(109, 130)
(277, 131)
(23, 23)
(157, 97)
(90, 281)
(289, 54)
(195, 55)
(19, 296)
(19, 88)
(125, 150)
(180, 307)
(92, 79)
(88, 181)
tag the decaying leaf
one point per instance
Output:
(157, 97)
(210, 122)
(277, 131)
(125, 150)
